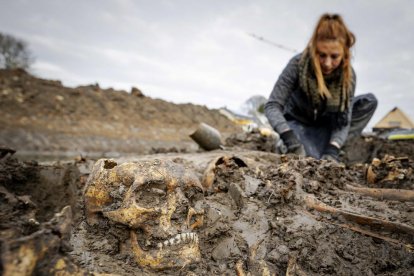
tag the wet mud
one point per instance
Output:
(262, 214)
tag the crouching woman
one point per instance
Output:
(312, 105)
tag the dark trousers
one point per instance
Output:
(316, 138)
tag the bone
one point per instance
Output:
(239, 268)
(375, 235)
(199, 218)
(180, 238)
(158, 191)
(316, 204)
(121, 189)
(313, 203)
(384, 194)
(187, 236)
(172, 241)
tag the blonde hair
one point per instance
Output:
(331, 27)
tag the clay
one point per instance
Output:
(254, 217)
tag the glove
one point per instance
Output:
(293, 145)
(331, 153)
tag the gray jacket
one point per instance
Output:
(288, 101)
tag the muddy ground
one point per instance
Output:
(258, 218)
(258, 213)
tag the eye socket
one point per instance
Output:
(335, 56)
(193, 194)
(322, 55)
(150, 194)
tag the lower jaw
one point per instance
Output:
(165, 257)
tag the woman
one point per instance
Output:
(312, 105)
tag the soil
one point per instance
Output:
(260, 215)
(42, 118)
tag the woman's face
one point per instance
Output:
(330, 54)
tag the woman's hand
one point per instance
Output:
(292, 143)
(331, 152)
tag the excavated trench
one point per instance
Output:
(260, 213)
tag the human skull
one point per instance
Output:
(161, 203)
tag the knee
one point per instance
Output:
(371, 100)
(368, 101)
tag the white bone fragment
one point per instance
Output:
(171, 241)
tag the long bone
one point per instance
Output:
(384, 194)
(312, 202)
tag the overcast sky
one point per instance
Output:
(201, 51)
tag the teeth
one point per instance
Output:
(179, 239)
(172, 241)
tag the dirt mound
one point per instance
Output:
(364, 149)
(41, 116)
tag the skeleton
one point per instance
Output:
(162, 205)
(296, 192)
(159, 201)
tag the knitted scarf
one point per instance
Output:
(337, 105)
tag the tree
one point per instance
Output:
(14, 53)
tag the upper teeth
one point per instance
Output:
(178, 239)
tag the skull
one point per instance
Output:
(159, 201)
